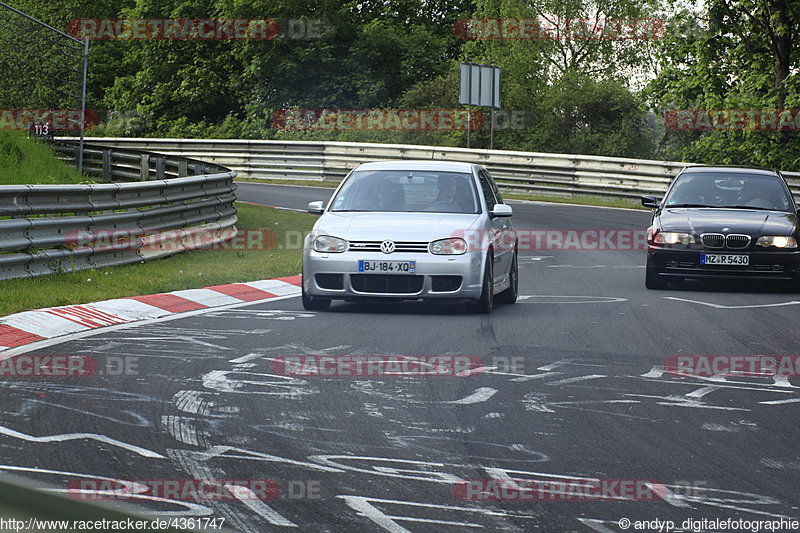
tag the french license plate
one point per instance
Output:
(724, 259)
(387, 267)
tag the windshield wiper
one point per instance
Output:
(687, 205)
(748, 207)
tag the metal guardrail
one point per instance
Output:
(63, 228)
(552, 174)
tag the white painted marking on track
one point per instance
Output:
(367, 508)
(576, 379)
(250, 499)
(80, 436)
(246, 358)
(599, 525)
(555, 364)
(780, 402)
(480, 395)
(576, 266)
(720, 306)
(702, 391)
(571, 299)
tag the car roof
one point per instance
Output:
(759, 171)
(441, 166)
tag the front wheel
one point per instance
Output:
(485, 303)
(315, 303)
(509, 296)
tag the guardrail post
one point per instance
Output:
(183, 168)
(161, 167)
(144, 167)
(107, 165)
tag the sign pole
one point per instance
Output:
(83, 102)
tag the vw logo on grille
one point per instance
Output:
(387, 247)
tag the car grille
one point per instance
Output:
(737, 241)
(734, 241)
(713, 240)
(387, 283)
(399, 246)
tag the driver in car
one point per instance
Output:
(447, 199)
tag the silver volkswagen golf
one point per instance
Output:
(407, 230)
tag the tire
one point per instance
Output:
(485, 303)
(652, 281)
(315, 303)
(509, 296)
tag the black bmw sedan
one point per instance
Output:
(723, 223)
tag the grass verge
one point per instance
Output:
(279, 255)
(25, 161)
(600, 201)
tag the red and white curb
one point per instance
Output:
(41, 324)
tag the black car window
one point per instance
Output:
(488, 192)
(495, 189)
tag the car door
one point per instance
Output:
(500, 227)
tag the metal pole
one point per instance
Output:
(491, 133)
(469, 106)
(469, 123)
(83, 102)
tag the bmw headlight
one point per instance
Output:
(328, 244)
(452, 246)
(671, 237)
(778, 241)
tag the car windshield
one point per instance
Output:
(407, 191)
(736, 191)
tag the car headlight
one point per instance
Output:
(328, 244)
(671, 237)
(778, 241)
(453, 246)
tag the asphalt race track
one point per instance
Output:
(573, 386)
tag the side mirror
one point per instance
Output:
(316, 208)
(650, 201)
(501, 210)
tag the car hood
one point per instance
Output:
(416, 227)
(710, 220)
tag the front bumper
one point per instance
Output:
(775, 265)
(433, 277)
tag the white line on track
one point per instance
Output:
(480, 395)
(720, 306)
